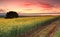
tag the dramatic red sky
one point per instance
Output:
(30, 6)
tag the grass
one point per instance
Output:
(12, 27)
(57, 33)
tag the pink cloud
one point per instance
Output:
(43, 5)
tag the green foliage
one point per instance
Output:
(12, 27)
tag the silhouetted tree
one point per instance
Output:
(11, 14)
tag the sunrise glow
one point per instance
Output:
(28, 7)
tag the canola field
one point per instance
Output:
(12, 27)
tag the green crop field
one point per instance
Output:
(12, 27)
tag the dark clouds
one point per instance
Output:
(55, 1)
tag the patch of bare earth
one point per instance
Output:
(42, 31)
(48, 31)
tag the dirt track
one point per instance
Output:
(47, 31)
(43, 31)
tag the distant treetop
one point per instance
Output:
(11, 14)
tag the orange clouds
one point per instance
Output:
(29, 6)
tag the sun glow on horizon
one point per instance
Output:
(30, 8)
(33, 10)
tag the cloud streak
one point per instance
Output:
(29, 5)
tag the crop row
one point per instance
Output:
(12, 27)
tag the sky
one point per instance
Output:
(30, 6)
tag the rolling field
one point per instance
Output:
(12, 27)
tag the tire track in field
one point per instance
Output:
(53, 32)
(48, 31)
(35, 31)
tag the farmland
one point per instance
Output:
(12, 27)
(52, 30)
